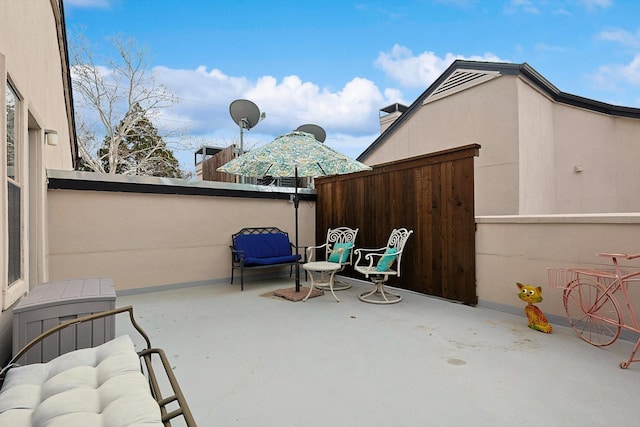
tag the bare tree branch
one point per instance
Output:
(106, 97)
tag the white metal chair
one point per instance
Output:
(339, 248)
(376, 265)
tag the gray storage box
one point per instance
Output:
(52, 303)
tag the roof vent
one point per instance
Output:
(460, 80)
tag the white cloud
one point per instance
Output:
(353, 145)
(561, 11)
(87, 3)
(594, 4)
(622, 37)
(349, 109)
(394, 95)
(610, 76)
(458, 3)
(616, 76)
(617, 81)
(542, 47)
(420, 71)
(348, 115)
(526, 6)
(538, 7)
(631, 72)
(205, 97)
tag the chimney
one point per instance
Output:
(389, 114)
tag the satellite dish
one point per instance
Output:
(245, 113)
(314, 130)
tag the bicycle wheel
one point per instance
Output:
(592, 313)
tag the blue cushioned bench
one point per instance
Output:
(261, 247)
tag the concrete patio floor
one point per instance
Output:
(252, 359)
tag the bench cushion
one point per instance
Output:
(271, 260)
(263, 245)
(100, 386)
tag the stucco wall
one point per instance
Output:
(152, 240)
(536, 189)
(512, 249)
(30, 60)
(606, 149)
(148, 240)
(28, 39)
(487, 115)
(537, 156)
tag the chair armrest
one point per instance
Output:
(175, 395)
(368, 254)
(310, 252)
(297, 250)
(237, 254)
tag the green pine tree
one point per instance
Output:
(140, 151)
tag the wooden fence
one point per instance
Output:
(430, 194)
(210, 166)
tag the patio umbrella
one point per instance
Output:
(295, 154)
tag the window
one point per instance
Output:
(11, 101)
(14, 242)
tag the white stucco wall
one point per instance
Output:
(536, 157)
(473, 116)
(536, 189)
(607, 150)
(512, 249)
(28, 40)
(30, 60)
(148, 240)
(154, 240)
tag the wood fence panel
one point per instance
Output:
(430, 194)
(210, 166)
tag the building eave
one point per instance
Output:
(58, 12)
(525, 71)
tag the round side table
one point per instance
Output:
(321, 267)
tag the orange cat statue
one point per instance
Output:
(537, 319)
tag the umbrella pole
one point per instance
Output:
(295, 204)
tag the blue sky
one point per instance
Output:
(336, 64)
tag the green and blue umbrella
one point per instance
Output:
(295, 151)
(295, 154)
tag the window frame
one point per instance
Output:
(11, 292)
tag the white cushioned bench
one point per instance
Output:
(100, 386)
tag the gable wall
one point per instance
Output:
(606, 149)
(486, 115)
(536, 140)
(574, 160)
(530, 146)
(28, 40)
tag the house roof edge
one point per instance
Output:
(504, 68)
